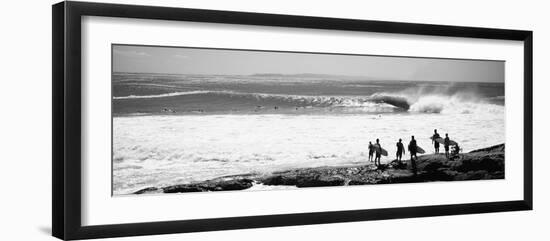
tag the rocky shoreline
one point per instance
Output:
(481, 164)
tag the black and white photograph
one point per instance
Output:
(275, 120)
(201, 119)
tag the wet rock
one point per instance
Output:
(319, 181)
(490, 163)
(221, 184)
(491, 149)
(148, 190)
(229, 185)
(183, 188)
(280, 180)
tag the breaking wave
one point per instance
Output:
(409, 100)
(161, 95)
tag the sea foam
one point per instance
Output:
(167, 150)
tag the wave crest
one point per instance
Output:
(172, 94)
(408, 100)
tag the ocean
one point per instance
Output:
(177, 129)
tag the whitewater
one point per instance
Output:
(316, 123)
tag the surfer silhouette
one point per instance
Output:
(400, 150)
(412, 151)
(378, 151)
(371, 151)
(434, 141)
(446, 143)
(456, 150)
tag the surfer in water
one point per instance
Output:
(371, 151)
(400, 150)
(446, 143)
(412, 151)
(436, 144)
(378, 151)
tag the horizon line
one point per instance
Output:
(366, 78)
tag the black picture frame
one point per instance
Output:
(66, 127)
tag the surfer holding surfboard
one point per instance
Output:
(378, 152)
(371, 151)
(412, 150)
(446, 143)
(400, 150)
(435, 142)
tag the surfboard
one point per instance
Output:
(419, 150)
(442, 141)
(383, 151)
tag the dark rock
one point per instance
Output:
(183, 188)
(220, 184)
(473, 175)
(382, 167)
(229, 185)
(441, 174)
(486, 163)
(398, 164)
(491, 149)
(433, 166)
(491, 163)
(148, 190)
(359, 182)
(319, 181)
(279, 180)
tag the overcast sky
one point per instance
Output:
(170, 60)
